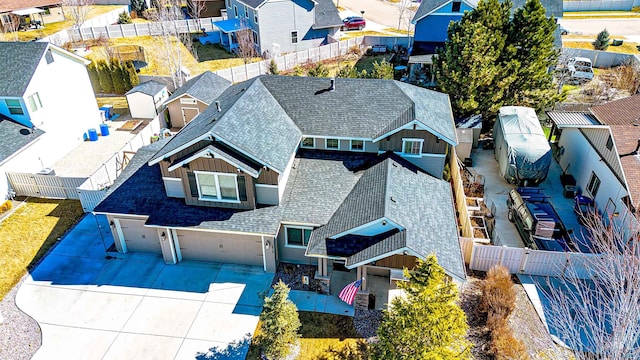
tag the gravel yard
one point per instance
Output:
(20, 335)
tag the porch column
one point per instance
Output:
(320, 267)
(364, 277)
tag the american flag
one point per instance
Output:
(348, 294)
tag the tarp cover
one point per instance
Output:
(521, 148)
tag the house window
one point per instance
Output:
(188, 101)
(235, 10)
(455, 7)
(48, 56)
(297, 236)
(246, 12)
(255, 37)
(308, 142)
(14, 106)
(357, 145)
(332, 144)
(217, 186)
(255, 16)
(294, 37)
(609, 143)
(34, 102)
(412, 146)
(593, 185)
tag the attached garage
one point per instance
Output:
(139, 238)
(220, 247)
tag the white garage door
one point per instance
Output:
(139, 238)
(218, 247)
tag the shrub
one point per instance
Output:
(319, 70)
(498, 296)
(6, 206)
(504, 346)
(273, 67)
(279, 323)
(117, 77)
(124, 18)
(602, 41)
(106, 83)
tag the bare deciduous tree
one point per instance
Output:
(77, 10)
(406, 10)
(246, 46)
(9, 25)
(599, 318)
(196, 8)
(164, 25)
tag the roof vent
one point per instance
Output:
(392, 199)
(333, 85)
(218, 106)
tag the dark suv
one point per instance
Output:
(353, 23)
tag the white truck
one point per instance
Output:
(580, 69)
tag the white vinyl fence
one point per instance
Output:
(64, 36)
(45, 186)
(527, 261)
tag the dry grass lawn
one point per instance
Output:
(324, 336)
(52, 28)
(27, 234)
(120, 105)
(625, 48)
(157, 60)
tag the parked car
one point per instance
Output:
(580, 69)
(353, 23)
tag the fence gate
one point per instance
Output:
(45, 186)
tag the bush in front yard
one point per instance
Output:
(504, 346)
(498, 296)
(279, 323)
(6, 206)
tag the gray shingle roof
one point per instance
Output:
(554, 7)
(421, 204)
(205, 87)
(427, 6)
(18, 62)
(326, 15)
(14, 137)
(151, 87)
(254, 4)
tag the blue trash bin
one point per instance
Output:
(104, 130)
(93, 135)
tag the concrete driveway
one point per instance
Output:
(136, 307)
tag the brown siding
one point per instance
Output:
(267, 177)
(398, 262)
(175, 111)
(431, 144)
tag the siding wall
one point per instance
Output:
(175, 111)
(290, 254)
(431, 144)
(398, 262)
(267, 177)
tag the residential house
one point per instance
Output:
(15, 14)
(280, 26)
(194, 97)
(211, 8)
(146, 100)
(432, 21)
(301, 170)
(46, 89)
(599, 148)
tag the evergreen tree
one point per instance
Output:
(273, 67)
(471, 68)
(94, 78)
(319, 70)
(133, 74)
(602, 41)
(348, 71)
(279, 323)
(428, 324)
(124, 18)
(534, 51)
(382, 70)
(104, 76)
(138, 6)
(117, 77)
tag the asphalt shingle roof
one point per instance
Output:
(326, 15)
(151, 87)
(18, 62)
(553, 8)
(205, 87)
(14, 137)
(419, 203)
(12, 5)
(254, 4)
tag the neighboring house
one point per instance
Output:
(192, 98)
(433, 17)
(280, 26)
(599, 148)
(16, 13)
(45, 88)
(298, 169)
(147, 99)
(211, 8)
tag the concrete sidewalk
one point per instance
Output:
(94, 307)
(311, 301)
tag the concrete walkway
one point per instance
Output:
(311, 301)
(136, 307)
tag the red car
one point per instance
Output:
(353, 22)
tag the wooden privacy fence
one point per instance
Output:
(47, 186)
(528, 261)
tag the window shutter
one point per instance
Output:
(242, 188)
(193, 184)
